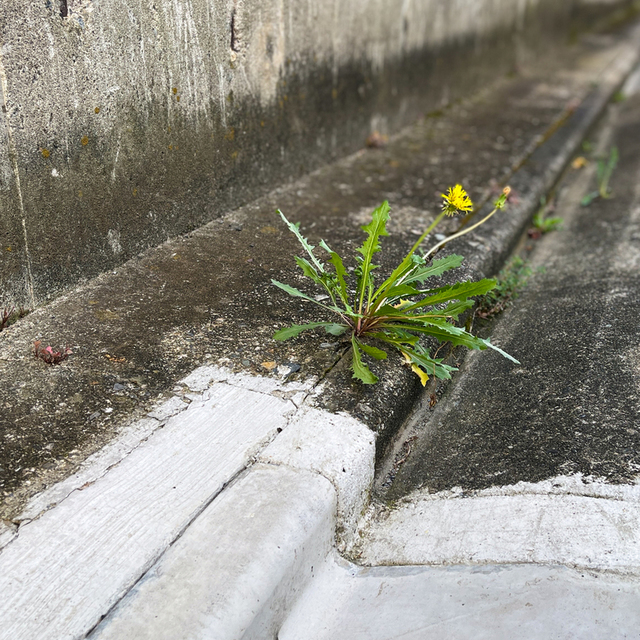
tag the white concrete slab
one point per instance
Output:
(63, 571)
(94, 467)
(200, 383)
(562, 521)
(238, 568)
(336, 446)
(517, 602)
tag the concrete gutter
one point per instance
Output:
(235, 480)
(206, 298)
(517, 511)
(494, 602)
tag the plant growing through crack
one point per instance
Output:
(397, 312)
(511, 280)
(542, 222)
(9, 315)
(604, 172)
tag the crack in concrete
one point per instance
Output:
(152, 562)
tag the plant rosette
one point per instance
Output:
(401, 310)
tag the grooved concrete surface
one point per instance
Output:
(65, 569)
(237, 569)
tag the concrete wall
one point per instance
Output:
(124, 122)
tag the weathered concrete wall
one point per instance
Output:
(125, 122)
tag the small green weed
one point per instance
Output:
(618, 96)
(542, 222)
(399, 311)
(605, 170)
(511, 280)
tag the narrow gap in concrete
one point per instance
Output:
(400, 448)
(145, 569)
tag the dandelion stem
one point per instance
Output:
(457, 235)
(430, 228)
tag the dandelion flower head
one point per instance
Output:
(456, 199)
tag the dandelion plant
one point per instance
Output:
(400, 310)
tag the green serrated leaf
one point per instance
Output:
(360, 370)
(456, 308)
(460, 291)
(395, 338)
(296, 293)
(401, 290)
(378, 354)
(295, 229)
(441, 323)
(292, 291)
(375, 230)
(436, 268)
(338, 265)
(335, 329)
(308, 270)
(461, 337)
(429, 364)
(500, 351)
(296, 329)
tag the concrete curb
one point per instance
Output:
(590, 527)
(497, 602)
(238, 568)
(245, 464)
(95, 535)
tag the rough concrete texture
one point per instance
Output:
(206, 297)
(237, 570)
(176, 520)
(519, 470)
(123, 124)
(575, 331)
(339, 448)
(522, 525)
(63, 571)
(495, 602)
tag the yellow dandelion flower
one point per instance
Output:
(456, 199)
